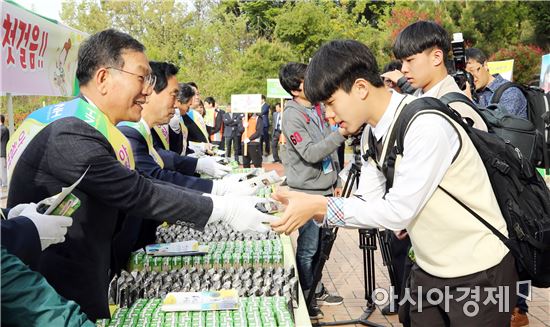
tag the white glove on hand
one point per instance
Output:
(246, 140)
(235, 178)
(175, 121)
(225, 187)
(209, 166)
(51, 229)
(240, 214)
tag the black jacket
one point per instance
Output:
(20, 238)
(79, 268)
(194, 132)
(147, 165)
(172, 159)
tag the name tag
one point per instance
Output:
(327, 165)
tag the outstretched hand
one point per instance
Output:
(300, 208)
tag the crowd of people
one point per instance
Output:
(139, 139)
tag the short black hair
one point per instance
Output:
(185, 93)
(476, 54)
(292, 75)
(2, 118)
(193, 84)
(210, 100)
(163, 71)
(420, 36)
(263, 97)
(392, 65)
(103, 49)
(338, 64)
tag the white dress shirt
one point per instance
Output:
(430, 145)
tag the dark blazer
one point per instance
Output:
(275, 117)
(79, 267)
(4, 138)
(231, 123)
(265, 114)
(175, 140)
(218, 122)
(20, 238)
(194, 132)
(147, 165)
(172, 159)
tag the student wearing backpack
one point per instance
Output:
(423, 48)
(512, 99)
(515, 103)
(454, 252)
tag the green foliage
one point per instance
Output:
(527, 61)
(232, 46)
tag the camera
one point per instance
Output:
(460, 74)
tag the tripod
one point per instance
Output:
(367, 243)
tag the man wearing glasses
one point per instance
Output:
(512, 99)
(57, 144)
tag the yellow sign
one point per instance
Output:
(505, 68)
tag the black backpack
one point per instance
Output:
(520, 132)
(538, 105)
(522, 194)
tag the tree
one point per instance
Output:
(261, 61)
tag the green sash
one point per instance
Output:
(140, 127)
(77, 108)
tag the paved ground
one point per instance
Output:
(344, 274)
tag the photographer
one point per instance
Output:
(486, 85)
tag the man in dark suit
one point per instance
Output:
(195, 134)
(115, 80)
(264, 139)
(232, 122)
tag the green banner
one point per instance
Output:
(275, 90)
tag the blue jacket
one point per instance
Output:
(147, 165)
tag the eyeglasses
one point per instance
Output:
(474, 71)
(149, 79)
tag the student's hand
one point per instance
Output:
(300, 208)
(343, 132)
(393, 76)
(51, 229)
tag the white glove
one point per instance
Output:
(51, 229)
(209, 166)
(245, 124)
(240, 214)
(234, 178)
(175, 121)
(246, 140)
(200, 146)
(225, 187)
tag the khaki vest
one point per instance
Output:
(448, 241)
